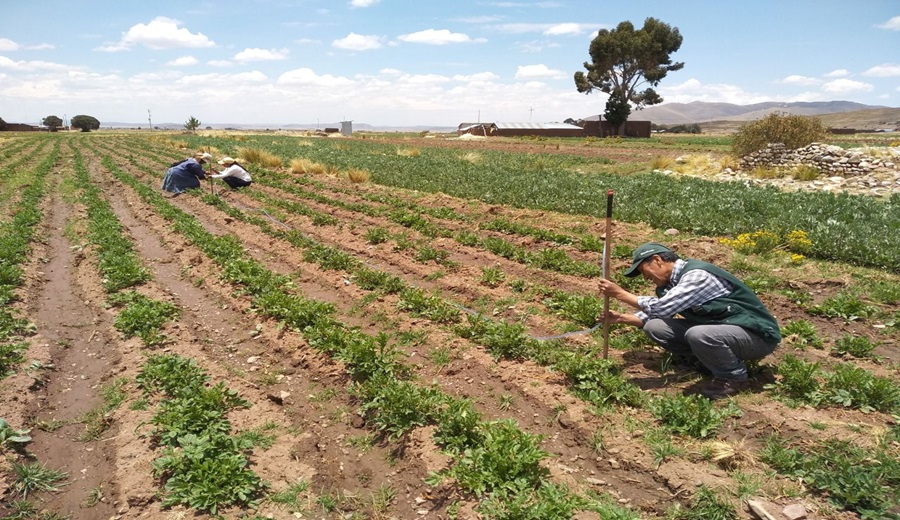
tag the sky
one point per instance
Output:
(420, 62)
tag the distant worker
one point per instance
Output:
(234, 175)
(186, 174)
(723, 323)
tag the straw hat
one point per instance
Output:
(227, 161)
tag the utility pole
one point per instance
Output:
(530, 113)
(148, 120)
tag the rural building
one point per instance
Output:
(21, 127)
(584, 128)
(520, 129)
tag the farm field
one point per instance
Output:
(417, 345)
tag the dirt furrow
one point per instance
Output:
(538, 407)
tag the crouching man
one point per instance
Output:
(723, 323)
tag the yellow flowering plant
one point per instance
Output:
(763, 242)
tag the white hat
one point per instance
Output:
(203, 156)
(227, 161)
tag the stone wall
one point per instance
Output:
(830, 160)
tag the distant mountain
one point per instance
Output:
(702, 112)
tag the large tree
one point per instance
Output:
(52, 122)
(192, 124)
(2, 124)
(85, 123)
(624, 59)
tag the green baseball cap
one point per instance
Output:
(643, 252)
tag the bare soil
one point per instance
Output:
(303, 395)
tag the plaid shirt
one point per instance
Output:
(683, 292)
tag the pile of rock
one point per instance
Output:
(830, 160)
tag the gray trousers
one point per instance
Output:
(721, 348)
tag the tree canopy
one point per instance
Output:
(2, 124)
(85, 123)
(52, 122)
(192, 124)
(624, 59)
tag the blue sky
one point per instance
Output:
(420, 62)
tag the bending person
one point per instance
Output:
(234, 175)
(186, 174)
(723, 323)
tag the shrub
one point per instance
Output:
(791, 130)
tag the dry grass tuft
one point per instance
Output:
(805, 172)
(357, 175)
(762, 172)
(409, 152)
(332, 170)
(730, 162)
(472, 157)
(731, 455)
(270, 160)
(304, 165)
(661, 163)
(697, 164)
(250, 155)
(303, 142)
(260, 156)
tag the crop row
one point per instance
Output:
(854, 229)
(492, 458)
(507, 342)
(16, 234)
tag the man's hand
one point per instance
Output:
(610, 288)
(613, 317)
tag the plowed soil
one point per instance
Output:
(302, 396)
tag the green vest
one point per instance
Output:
(742, 307)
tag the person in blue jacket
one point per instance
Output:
(186, 174)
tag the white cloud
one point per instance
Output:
(482, 77)
(219, 63)
(160, 33)
(886, 70)
(436, 37)
(566, 29)
(253, 54)
(363, 3)
(844, 86)
(183, 61)
(358, 42)
(695, 90)
(423, 79)
(549, 29)
(539, 71)
(839, 73)
(8, 45)
(249, 77)
(306, 76)
(892, 25)
(31, 66)
(795, 79)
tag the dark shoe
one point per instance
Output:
(722, 388)
(682, 362)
